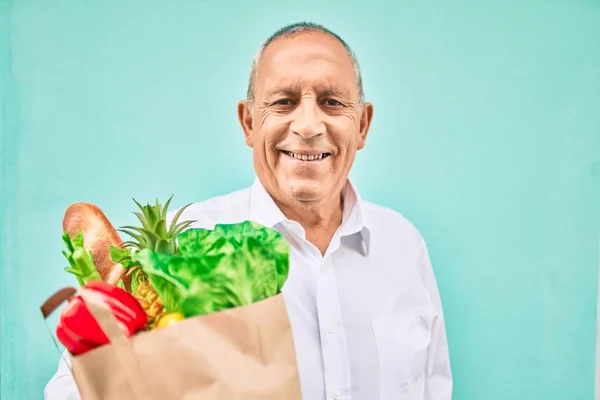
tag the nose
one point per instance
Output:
(308, 121)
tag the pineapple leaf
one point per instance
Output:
(180, 227)
(151, 215)
(161, 228)
(134, 228)
(142, 219)
(158, 208)
(151, 237)
(176, 217)
(153, 219)
(148, 215)
(164, 246)
(139, 205)
(127, 231)
(166, 209)
(131, 244)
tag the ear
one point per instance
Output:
(365, 123)
(245, 118)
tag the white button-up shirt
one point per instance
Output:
(366, 317)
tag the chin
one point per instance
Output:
(305, 190)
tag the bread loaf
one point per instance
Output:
(98, 235)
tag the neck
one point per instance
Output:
(320, 221)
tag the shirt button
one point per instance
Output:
(330, 331)
(337, 395)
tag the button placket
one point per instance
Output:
(322, 267)
(333, 342)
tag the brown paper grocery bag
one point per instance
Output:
(245, 353)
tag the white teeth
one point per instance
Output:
(306, 157)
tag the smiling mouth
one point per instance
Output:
(306, 157)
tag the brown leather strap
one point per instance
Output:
(56, 300)
(49, 307)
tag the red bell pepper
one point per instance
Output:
(78, 330)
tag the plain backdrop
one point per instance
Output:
(486, 135)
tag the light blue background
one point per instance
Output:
(486, 135)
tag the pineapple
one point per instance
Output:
(147, 297)
(155, 235)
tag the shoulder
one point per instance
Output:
(228, 208)
(392, 224)
(398, 234)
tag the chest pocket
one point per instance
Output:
(402, 342)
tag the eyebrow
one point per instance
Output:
(288, 91)
(295, 90)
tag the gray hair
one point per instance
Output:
(291, 30)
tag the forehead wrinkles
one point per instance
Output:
(306, 64)
(303, 87)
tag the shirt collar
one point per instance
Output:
(354, 220)
(264, 210)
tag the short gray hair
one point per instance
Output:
(290, 30)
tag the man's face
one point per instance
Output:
(307, 122)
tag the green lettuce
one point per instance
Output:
(81, 261)
(229, 266)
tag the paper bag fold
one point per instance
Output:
(244, 353)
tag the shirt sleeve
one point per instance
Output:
(62, 385)
(438, 374)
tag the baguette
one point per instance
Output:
(98, 235)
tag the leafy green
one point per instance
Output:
(81, 262)
(156, 266)
(123, 257)
(230, 266)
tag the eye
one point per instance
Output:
(283, 102)
(333, 103)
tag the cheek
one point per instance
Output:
(264, 154)
(268, 147)
(273, 131)
(345, 137)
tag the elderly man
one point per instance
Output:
(361, 293)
